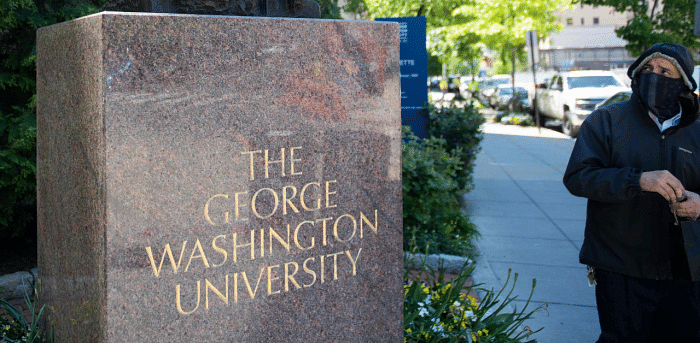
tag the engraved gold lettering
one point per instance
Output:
(235, 287)
(354, 262)
(236, 246)
(238, 205)
(197, 246)
(288, 200)
(296, 236)
(329, 193)
(178, 304)
(335, 228)
(324, 229)
(323, 268)
(302, 200)
(288, 276)
(208, 285)
(220, 250)
(364, 219)
(268, 162)
(167, 251)
(285, 244)
(270, 279)
(292, 160)
(309, 271)
(206, 210)
(262, 242)
(335, 264)
(252, 174)
(254, 207)
(247, 284)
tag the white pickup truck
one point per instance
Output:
(571, 96)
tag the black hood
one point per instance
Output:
(677, 54)
(682, 59)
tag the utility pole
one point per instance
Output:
(532, 44)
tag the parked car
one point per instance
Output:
(488, 86)
(618, 97)
(571, 96)
(503, 97)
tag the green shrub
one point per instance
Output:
(14, 328)
(431, 211)
(460, 127)
(439, 311)
(19, 20)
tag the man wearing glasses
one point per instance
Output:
(638, 163)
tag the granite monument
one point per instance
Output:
(219, 179)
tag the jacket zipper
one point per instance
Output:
(663, 167)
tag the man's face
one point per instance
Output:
(661, 66)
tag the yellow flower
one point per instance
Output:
(426, 290)
(473, 302)
(409, 330)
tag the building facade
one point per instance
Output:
(588, 40)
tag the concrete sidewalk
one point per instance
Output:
(531, 224)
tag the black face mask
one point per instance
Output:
(659, 94)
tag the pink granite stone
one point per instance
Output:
(168, 143)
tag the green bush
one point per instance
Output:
(460, 127)
(431, 211)
(19, 20)
(439, 311)
(14, 328)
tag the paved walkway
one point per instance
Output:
(529, 222)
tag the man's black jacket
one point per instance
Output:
(627, 229)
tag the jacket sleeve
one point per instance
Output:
(591, 173)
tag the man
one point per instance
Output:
(638, 163)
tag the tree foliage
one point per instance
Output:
(654, 22)
(465, 27)
(19, 20)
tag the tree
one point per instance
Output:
(653, 22)
(19, 20)
(503, 24)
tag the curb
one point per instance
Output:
(19, 284)
(452, 264)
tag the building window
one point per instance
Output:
(595, 21)
(583, 22)
(569, 21)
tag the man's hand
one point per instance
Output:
(689, 208)
(662, 182)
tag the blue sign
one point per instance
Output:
(414, 73)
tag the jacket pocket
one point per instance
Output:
(687, 167)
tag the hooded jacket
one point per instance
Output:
(627, 229)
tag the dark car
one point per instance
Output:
(503, 97)
(618, 97)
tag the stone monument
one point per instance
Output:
(219, 179)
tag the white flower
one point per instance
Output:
(423, 312)
(470, 315)
(457, 304)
